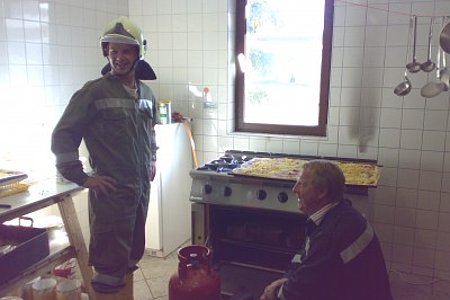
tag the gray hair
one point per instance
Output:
(327, 176)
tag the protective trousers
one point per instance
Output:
(124, 294)
(117, 222)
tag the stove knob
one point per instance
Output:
(227, 191)
(208, 189)
(282, 197)
(261, 195)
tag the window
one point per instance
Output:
(283, 52)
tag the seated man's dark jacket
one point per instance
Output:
(328, 272)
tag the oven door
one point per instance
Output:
(251, 247)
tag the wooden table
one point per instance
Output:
(39, 196)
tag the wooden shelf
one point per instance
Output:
(39, 196)
(43, 267)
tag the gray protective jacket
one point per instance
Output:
(117, 129)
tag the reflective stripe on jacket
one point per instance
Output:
(117, 129)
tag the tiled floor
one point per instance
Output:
(152, 278)
(403, 291)
(151, 282)
(412, 287)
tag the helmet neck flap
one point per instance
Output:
(142, 70)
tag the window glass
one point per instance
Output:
(283, 69)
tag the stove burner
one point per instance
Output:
(233, 158)
(224, 164)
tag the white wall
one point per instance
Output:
(190, 46)
(48, 49)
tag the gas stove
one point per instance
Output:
(214, 183)
(225, 163)
(235, 158)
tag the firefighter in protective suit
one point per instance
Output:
(115, 116)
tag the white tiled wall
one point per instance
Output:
(191, 48)
(48, 49)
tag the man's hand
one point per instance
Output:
(269, 291)
(152, 170)
(102, 184)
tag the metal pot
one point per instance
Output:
(444, 38)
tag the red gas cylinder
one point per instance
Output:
(195, 279)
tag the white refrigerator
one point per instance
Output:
(169, 216)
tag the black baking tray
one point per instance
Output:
(8, 176)
(31, 246)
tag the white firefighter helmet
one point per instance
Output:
(123, 31)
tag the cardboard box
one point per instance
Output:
(30, 245)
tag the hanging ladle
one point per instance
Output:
(437, 86)
(404, 87)
(444, 73)
(429, 65)
(414, 66)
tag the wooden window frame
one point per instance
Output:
(320, 129)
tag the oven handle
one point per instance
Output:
(195, 198)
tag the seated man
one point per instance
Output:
(341, 258)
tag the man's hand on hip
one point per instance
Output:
(102, 184)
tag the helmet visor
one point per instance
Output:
(118, 38)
